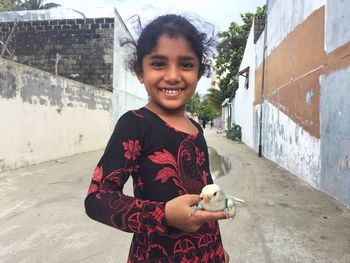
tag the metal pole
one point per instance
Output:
(263, 83)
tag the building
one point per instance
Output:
(292, 101)
(63, 83)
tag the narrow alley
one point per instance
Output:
(283, 219)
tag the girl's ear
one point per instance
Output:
(139, 75)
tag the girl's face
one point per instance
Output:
(170, 74)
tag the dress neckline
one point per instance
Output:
(190, 135)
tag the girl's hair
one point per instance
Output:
(174, 26)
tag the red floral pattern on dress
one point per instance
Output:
(92, 189)
(200, 159)
(98, 173)
(132, 149)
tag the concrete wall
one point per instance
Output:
(45, 117)
(305, 98)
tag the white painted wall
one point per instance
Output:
(45, 117)
(128, 93)
(244, 97)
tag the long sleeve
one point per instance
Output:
(105, 201)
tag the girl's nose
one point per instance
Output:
(172, 74)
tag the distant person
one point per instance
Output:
(164, 152)
(211, 124)
(204, 123)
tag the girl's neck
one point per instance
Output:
(166, 113)
(174, 118)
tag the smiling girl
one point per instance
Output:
(164, 152)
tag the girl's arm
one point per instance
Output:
(105, 201)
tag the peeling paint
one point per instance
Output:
(287, 144)
(39, 125)
(309, 95)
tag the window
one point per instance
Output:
(245, 73)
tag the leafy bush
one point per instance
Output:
(234, 133)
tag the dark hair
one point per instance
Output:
(174, 26)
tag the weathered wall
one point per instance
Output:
(306, 127)
(335, 134)
(128, 93)
(244, 97)
(44, 117)
(79, 49)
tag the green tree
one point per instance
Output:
(13, 5)
(194, 105)
(37, 4)
(9, 5)
(230, 53)
(207, 111)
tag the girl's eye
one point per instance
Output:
(157, 64)
(186, 65)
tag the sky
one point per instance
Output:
(220, 13)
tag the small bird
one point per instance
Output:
(213, 198)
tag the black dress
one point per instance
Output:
(164, 163)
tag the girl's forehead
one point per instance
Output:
(177, 44)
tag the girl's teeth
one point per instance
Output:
(171, 91)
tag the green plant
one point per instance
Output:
(234, 133)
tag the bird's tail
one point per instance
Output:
(237, 199)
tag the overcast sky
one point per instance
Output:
(220, 13)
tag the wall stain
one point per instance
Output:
(7, 84)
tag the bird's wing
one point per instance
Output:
(200, 205)
(231, 204)
(236, 199)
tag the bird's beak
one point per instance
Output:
(206, 199)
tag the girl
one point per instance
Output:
(165, 153)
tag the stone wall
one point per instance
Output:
(78, 49)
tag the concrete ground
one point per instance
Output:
(42, 215)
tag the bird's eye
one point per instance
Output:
(215, 194)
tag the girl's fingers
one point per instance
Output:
(206, 216)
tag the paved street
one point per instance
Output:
(42, 215)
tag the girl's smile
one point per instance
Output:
(170, 74)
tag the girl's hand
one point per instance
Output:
(178, 209)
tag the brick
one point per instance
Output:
(54, 22)
(80, 21)
(90, 21)
(109, 20)
(71, 22)
(100, 20)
